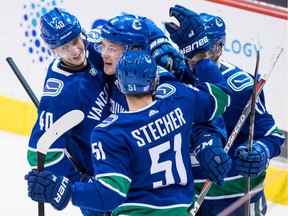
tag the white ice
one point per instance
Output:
(13, 188)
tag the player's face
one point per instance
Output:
(215, 52)
(111, 53)
(72, 53)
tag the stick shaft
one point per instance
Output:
(251, 131)
(22, 80)
(40, 166)
(40, 156)
(238, 126)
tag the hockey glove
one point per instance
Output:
(163, 52)
(44, 187)
(252, 163)
(190, 36)
(168, 57)
(212, 158)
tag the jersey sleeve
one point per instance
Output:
(112, 173)
(215, 126)
(266, 129)
(51, 107)
(207, 71)
(210, 99)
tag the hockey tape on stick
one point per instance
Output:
(238, 126)
(57, 129)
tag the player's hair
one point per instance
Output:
(136, 71)
(59, 27)
(127, 29)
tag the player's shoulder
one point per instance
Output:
(113, 127)
(174, 89)
(162, 72)
(112, 118)
(58, 85)
(238, 80)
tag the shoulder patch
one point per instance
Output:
(53, 87)
(165, 90)
(112, 118)
(240, 81)
(161, 70)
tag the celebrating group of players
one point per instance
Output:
(156, 119)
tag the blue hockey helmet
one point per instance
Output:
(59, 27)
(214, 27)
(128, 30)
(94, 35)
(136, 71)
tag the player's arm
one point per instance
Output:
(105, 193)
(165, 54)
(56, 160)
(191, 38)
(267, 143)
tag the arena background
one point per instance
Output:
(250, 25)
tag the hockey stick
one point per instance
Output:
(251, 130)
(33, 97)
(238, 126)
(57, 129)
(239, 202)
(22, 80)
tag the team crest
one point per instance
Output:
(240, 81)
(165, 90)
(53, 87)
(219, 22)
(108, 121)
(93, 72)
(136, 25)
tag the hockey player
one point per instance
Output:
(141, 157)
(267, 139)
(73, 81)
(128, 32)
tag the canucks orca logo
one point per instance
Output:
(108, 121)
(53, 87)
(136, 25)
(240, 81)
(165, 90)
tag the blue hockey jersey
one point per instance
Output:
(265, 130)
(141, 159)
(64, 91)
